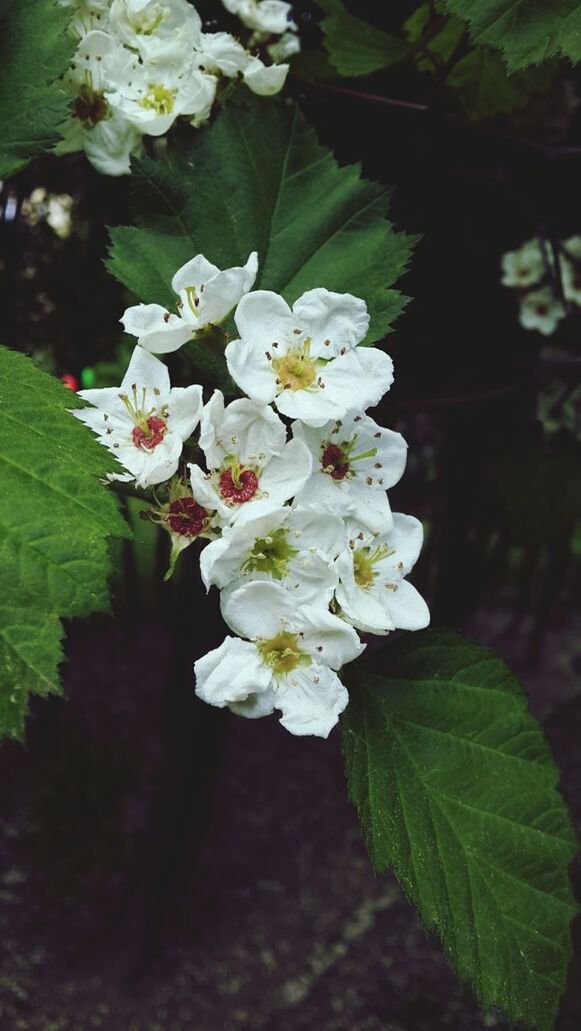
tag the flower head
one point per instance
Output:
(145, 421)
(525, 266)
(541, 310)
(287, 661)
(373, 593)
(271, 17)
(306, 359)
(206, 296)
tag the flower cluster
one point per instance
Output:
(541, 286)
(289, 488)
(141, 64)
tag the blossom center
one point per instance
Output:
(364, 559)
(337, 459)
(146, 25)
(148, 436)
(238, 485)
(187, 517)
(159, 99)
(271, 554)
(296, 370)
(90, 106)
(282, 653)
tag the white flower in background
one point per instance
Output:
(265, 80)
(207, 295)
(373, 593)
(153, 94)
(248, 457)
(108, 139)
(143, 24)
(294, 546)
(306, 360)
(571, 269)
(525, 266)
(145, 421)
(272, 17)
(288, 661)
(285, 47)
(219, 52)
(541, 310)
(89, 14)
(354, 462)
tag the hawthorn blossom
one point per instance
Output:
(207, 295)
(571, 269)
(184, 518)
(145, 421)
(354, 462)
(271, 17)
(143, 24)
(287, 661)
(373, 593)
(306, 359)
(541, 310)
(248, 457)
(107, 137)
(525, 266)
(294, 546)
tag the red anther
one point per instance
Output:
(150, 438)
(186, 517)
(334, 463)
(248, 481)
(71, 382)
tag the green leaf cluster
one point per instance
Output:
(259, 180)
(354, 46)
(35, 51)
(457, 791)
(55, 520)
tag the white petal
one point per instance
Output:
(407, 538)
(259, 610)
(111, 143)
(250, 369)
(231, 673)
(161, 463)
(106, 399)
(316, 529)
(326, 637)
(210, 420)
(250, 430)
(286, 475)
(358, 379)
(368, 611)
(156, 329)
(145, 370)
(184, 410)
(264, 318)
(352, 499)
(219, 51)
(408, 609)
(325, 316)
(314, 407)
(224, 291)
(311, 700)
(265, 80)
(256, 705)
(196, 271)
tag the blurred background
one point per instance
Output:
(165, 866)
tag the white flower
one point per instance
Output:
(306, 360)
(273, 17)
(143, 24)
(220, 52)
(248, 457)
(207, 295)
(89, 14)
(571, 269)
(287, 663)
(285, 47)
(372, 592)
(541, 310)
(296, 547)
(107, 138)
(354, 462)
(525, 266)
(153, 94)
(144, 422)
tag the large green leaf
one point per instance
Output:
(526, 31)
(456, 789)
(55, 518)
(485, 88)
(259, 180)
(34, 52)
(354, 46)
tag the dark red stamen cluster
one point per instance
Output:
(150, 438)
(248, 481)
(186, 517)
(333, 462)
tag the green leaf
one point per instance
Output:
(357, 48)
(456, 789)
(525, 31)
(55, 518)
(485, 88)
(34, 52)
(259, 180)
